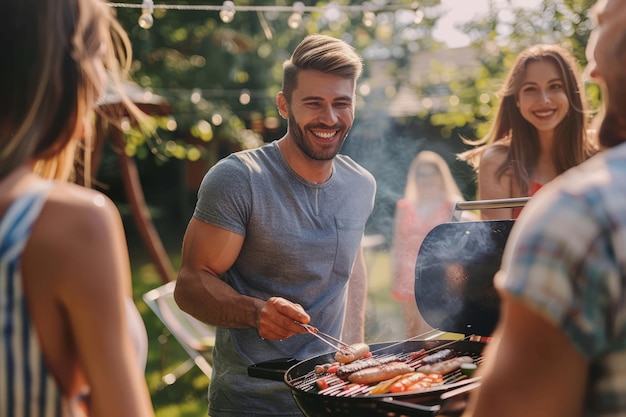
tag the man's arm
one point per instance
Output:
(354, 323)
(208, 252)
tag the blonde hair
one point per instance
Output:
(451, 189)
(47, 97)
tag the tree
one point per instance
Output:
(498, 37)
(222, 79)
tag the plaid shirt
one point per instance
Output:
(566, 259)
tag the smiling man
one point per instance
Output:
(275, 236)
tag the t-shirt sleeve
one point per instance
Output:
(560, 262)
(224, 196)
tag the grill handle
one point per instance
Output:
(403, 407)
(273, 370)
(487, 205)
(454, 402)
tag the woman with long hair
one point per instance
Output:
(72, 341)
(540, 128)
(430, 196)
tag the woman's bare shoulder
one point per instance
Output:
(76, 219)
(78, 234)
(71, 205)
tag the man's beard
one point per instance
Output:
(326, 153)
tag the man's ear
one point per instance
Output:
(281, 104)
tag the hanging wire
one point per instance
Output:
(250, 8)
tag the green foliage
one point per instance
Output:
(203, 66)
(221, 79)
(498, 38)
(187, 397)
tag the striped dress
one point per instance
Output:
(27, 389)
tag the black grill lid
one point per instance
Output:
(454, 274)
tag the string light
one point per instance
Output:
(228, 9)
(227, 13)
(146, 20)
(250, 8)
(244, 97)
(295, 19)
(419, 16)
(369, 17)
(419, 13)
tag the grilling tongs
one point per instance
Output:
(321, 336)
(428, 335)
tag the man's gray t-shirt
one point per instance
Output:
(301, 240)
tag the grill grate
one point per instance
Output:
(338, 387)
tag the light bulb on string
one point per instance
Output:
(369, 17)
(419, 13)
(227, 14)
(146, 20)
(295, 20)
(245, 97)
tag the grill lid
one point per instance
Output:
(454, 274)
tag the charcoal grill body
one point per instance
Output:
(417, 404)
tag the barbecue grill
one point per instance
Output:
(454, 292)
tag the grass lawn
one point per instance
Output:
(187, 397)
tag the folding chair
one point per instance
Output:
(196, 338)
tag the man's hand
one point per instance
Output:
(275, 319)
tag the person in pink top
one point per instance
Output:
(429, 199)
(540, 128)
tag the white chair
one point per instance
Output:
(196, 338)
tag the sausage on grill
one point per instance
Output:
(351, 353)
(380, 373)
(347, 369)
(438, 356)
(445, 367)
